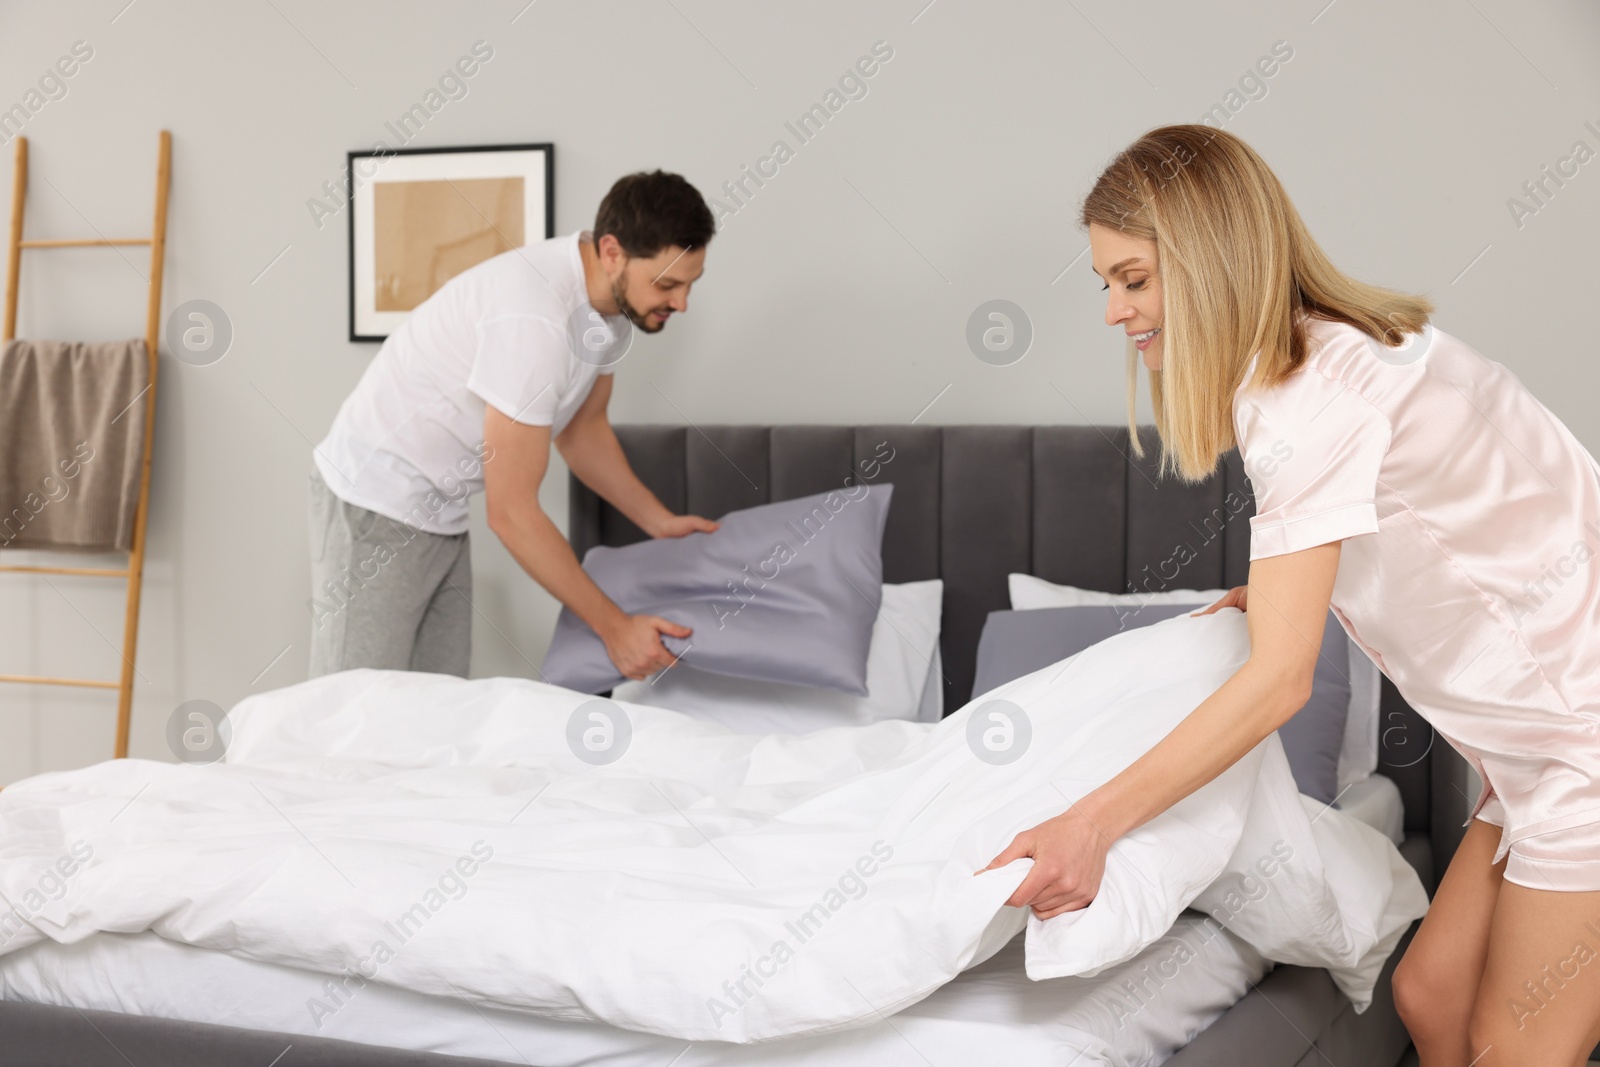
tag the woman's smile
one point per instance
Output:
(1141, 341)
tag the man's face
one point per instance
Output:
(650, 290)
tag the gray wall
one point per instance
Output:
(839, 292)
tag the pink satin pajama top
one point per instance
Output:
(1470, 521)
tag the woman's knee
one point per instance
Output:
(1430, 996)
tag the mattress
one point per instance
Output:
(1138, 1013)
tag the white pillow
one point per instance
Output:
(1358, 754)
(905, 679)
(1340, 898)
(1304, 883)
(1028, 593)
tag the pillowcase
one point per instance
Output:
(1359, 756)
(1358, 753)
(1028, 593)
(1340, 897)
(781, 592)
(1015, 643)
(904, 679)
(1302, 884)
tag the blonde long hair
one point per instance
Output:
(1238, 270)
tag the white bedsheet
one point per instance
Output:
(1135, 1014)
(991, 1013)
(440, 836)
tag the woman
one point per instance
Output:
(1445, 514)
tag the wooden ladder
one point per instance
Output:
(134, 571)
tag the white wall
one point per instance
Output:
(839, 293)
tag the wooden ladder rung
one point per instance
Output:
(87, 572)
(86, 683)
(134, 571)
(84, 242)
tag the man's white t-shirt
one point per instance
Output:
(408, 441)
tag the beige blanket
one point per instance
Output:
(72, 420)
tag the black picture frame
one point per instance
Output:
(353, 190)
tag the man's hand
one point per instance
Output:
(634, 644)
(680, 525)
(1235, 599)
(1069, 859)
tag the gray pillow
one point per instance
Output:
(782, 592)
(1015, 643)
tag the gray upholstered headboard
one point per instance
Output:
(973, 503)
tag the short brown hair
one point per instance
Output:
(649, 211)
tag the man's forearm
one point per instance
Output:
(594, 454)
(541, 550)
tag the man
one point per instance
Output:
(506, 358)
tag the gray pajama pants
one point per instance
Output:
(385, 594)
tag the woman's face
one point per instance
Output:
(1130, 269)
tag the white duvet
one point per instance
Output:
(445, 836)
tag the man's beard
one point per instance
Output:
(632, 312)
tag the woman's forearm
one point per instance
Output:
(1287, 599)
(1255, 701)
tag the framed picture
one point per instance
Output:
(420, 216)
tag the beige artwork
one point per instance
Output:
(427, 232)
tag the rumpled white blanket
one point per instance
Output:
(446, 837)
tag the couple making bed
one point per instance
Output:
(1405, 481)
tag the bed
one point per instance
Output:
(971, 505)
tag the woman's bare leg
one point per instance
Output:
(1436, 983)
(1539, 1000)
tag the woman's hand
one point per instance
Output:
(1235, 599)
(1069, 859)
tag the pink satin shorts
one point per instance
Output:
(1565, 860)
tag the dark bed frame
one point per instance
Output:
(971, 504)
